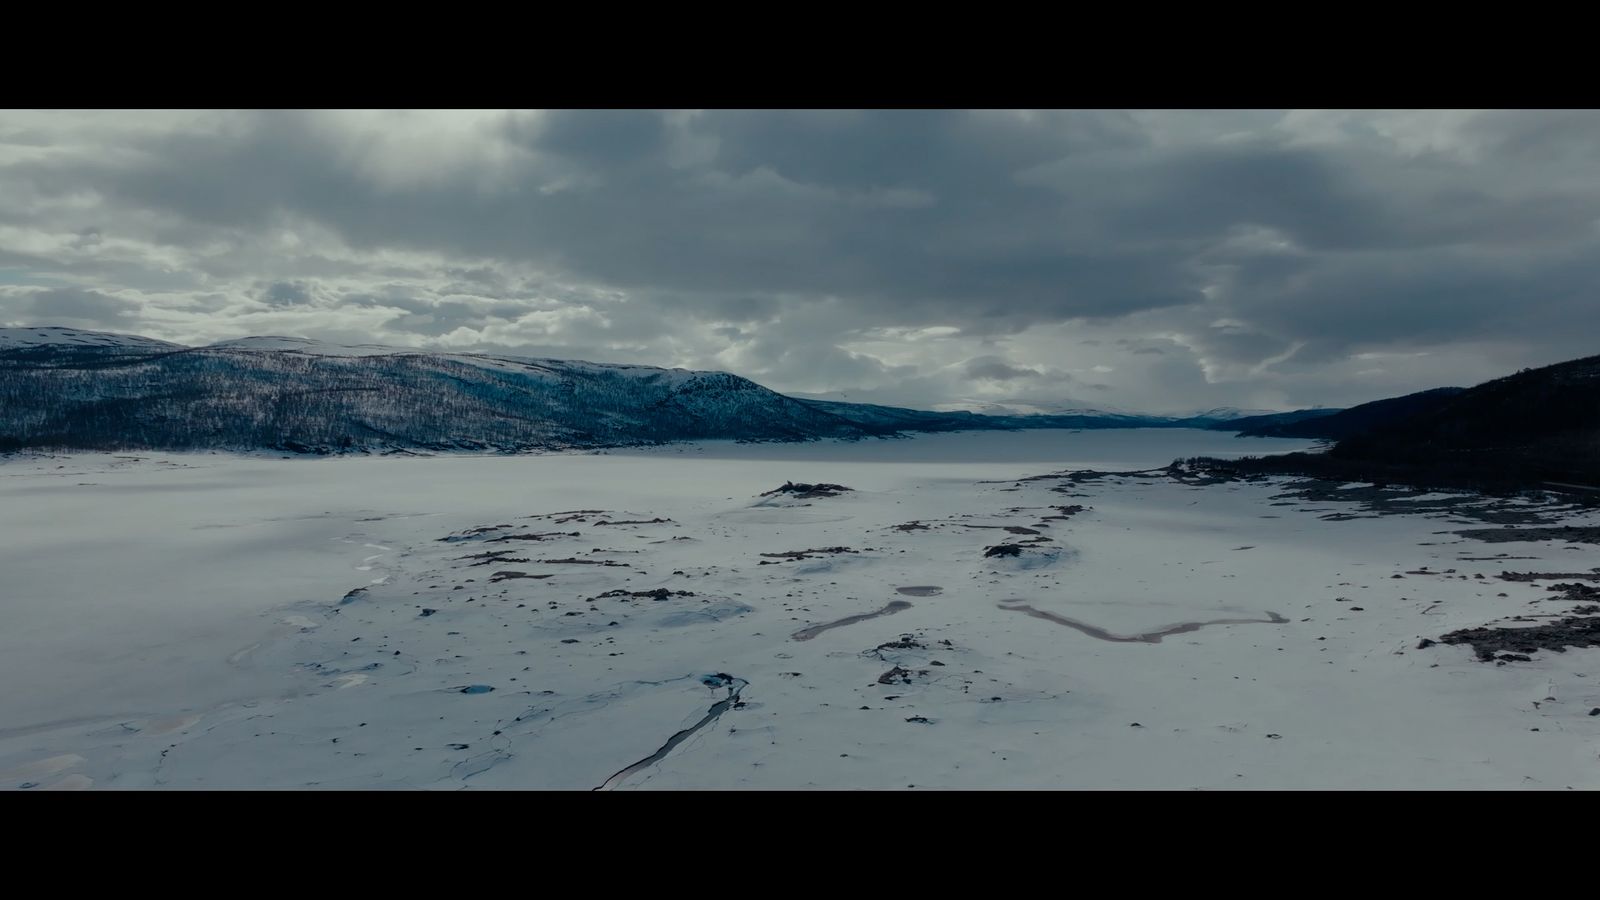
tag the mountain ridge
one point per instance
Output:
(75, 389)
(1357, 419)
(1535, 429)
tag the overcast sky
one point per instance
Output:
(1146, 260)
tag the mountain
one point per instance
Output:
(1065, 407)
(72, 389)
(877, 419)
(1074, 414)
(61, 388)
(1356, 419)
(53, 336)
(1257, 425)
(1229, 414)
(1537, 429)
(1539, 424)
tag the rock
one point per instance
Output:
(1575, 631)
(806, 554)
(807, 491)
(895, 675)
(657, 594)
(906, 642)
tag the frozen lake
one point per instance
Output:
(646, 618)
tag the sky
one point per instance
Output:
(1146, 260)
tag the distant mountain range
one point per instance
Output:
(1218, 414)
(63, 388)
(72, 389)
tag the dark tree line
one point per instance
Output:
(1535, 429)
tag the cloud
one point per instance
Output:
(1203, 258)
(286, 293)
(993, 368)
(84, 308)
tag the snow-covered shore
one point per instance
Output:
(200, 620)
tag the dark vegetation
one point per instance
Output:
(1340, 424)
(1537, 429)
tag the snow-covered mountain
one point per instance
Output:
(50, 335)
(272, 342)
(1228, 413)
(1073, 407)
(64, 388)
(67, 388)
(1065, 407)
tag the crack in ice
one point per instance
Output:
(734, 686)
(1148, 637)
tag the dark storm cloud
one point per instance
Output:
(1543, 135)
(1186, 254)
(593, 138)
(77, 305)
(950, 233)
(286, 293)
(995, 369)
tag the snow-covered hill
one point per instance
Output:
(1228, 413)
(65, 388)
(53, 336)
(1066, 407)
(68, 388)
(1079, 408)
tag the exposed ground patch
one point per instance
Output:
(802, 491)
(1514, 643)
(1577, 534)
